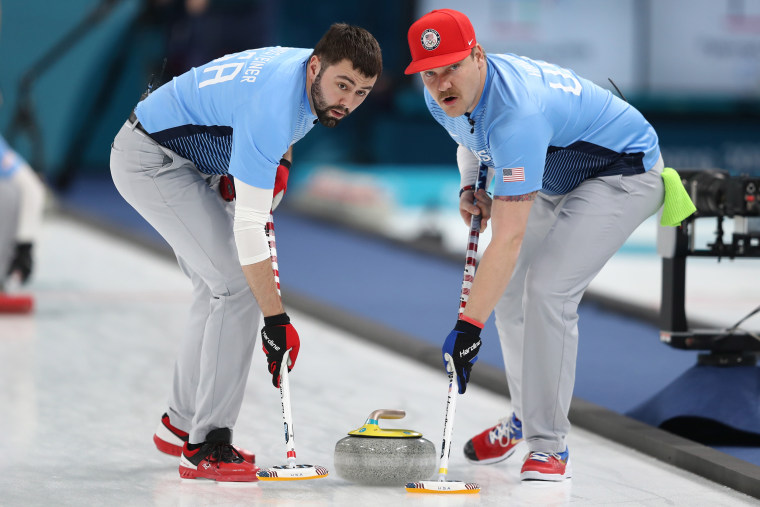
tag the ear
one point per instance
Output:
(314, 66)
(480, 55)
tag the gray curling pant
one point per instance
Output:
(569, 239)
(10, 202)
(185, 207)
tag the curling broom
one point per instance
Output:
(442, 485)
(291, 471)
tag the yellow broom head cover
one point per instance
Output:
(678, 206)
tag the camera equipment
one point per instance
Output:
(716, 194)
(719, 194)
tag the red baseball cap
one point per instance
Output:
(439, 38)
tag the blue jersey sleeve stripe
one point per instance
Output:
(188, 130)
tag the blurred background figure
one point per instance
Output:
(22, 199)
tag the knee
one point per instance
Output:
(543, 287)
(543, 294)
(231, 286)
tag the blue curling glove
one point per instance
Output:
(462, 346)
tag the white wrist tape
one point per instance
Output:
(469, 166)
(252, 207)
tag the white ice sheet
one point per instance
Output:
(84, 382)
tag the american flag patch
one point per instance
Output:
(514, 174)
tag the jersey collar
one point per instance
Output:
(305, 104)
(484, 96)
(306, 107)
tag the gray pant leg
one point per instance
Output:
(10, 201)
(169, 192)
(592, 223)
(187, 366)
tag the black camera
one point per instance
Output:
(716, 193)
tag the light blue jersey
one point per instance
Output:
(541, 127)
(237, 114)
(10, 161)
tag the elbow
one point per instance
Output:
(511, 241)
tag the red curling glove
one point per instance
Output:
(277, 336)
(280, 182)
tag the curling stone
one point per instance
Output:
(384, 457)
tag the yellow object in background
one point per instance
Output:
(678, 206)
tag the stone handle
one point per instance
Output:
(386, 413)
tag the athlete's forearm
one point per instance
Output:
(509, 217)
(261, 280)
(491, 278)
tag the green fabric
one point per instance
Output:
(678, 205)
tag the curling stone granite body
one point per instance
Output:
(384, 457)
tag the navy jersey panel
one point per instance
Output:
(542, 127)
(237, 114)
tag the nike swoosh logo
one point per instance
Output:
(510, 443)
(470, 41)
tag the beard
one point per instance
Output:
(321, 107)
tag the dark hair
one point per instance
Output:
(352, 43)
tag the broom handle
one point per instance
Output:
(287, 416)
(472, 244)
(269, 230)
(448, 423)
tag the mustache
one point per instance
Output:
(448, 93)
